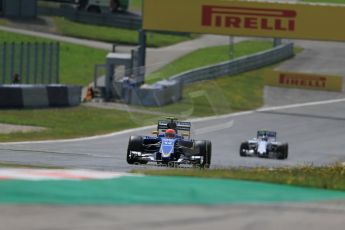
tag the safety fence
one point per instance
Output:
(29, 63)
(237, 66)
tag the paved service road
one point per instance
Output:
(315, 134)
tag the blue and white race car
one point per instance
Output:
(171, 146)
(265, 145)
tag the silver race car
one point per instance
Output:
(265, 145)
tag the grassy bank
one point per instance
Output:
(327, 177)
(114, 35)
(71, 122)
(220, 96)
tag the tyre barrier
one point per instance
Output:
(39, 96)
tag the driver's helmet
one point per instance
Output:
(264, 137)
(170, 133)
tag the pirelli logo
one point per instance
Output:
(249, 18)
(304, 81)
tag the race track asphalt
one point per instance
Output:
(314, 133)
(242, 217)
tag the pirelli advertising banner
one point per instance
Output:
(300, 21)
(304, 81)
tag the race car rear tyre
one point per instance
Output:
(286, 151)
(135, 143)
(244, 147)
(206, 152)
(283, 151)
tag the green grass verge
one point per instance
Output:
(76, 62)
(71, 122)
(327, 177)
(208, 56)
(326, 1)
(114, 35)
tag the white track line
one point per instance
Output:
(301, 105)
(192, 120)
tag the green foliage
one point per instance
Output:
(326, 177)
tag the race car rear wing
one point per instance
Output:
(179, 125)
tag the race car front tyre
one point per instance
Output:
(206, 152)
(243, 149)
(135, 143)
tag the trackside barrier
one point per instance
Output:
(39, 96)
(237, 66)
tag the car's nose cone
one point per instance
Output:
(262, 147)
